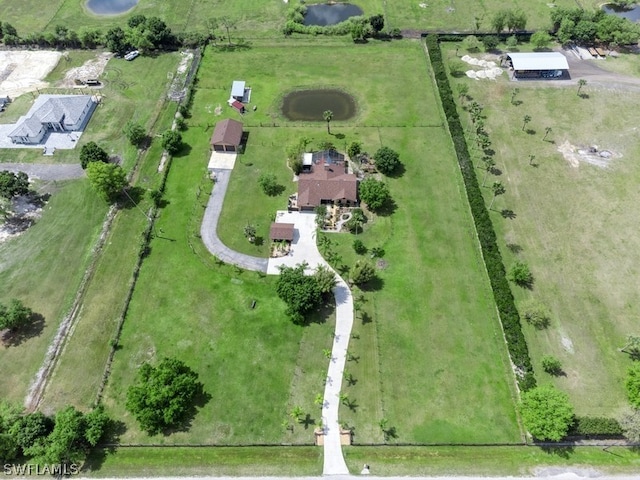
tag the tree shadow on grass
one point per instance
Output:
(307, 421)
(514, 248)
(507, 213)
(397, 172)
(366, 318)
(373, 285)
(185, 151)
(131, 197)
(389, 207)
(94, 461)
(34, 328)
(562, 451)
(530, 131)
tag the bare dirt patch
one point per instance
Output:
(23, 71)
(591, 154)
(20, 213)
(89, 70)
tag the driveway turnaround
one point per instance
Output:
(303, 249)
(209, 228)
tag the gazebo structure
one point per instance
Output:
(227, 136)
(281, 231)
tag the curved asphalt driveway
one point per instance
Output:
(209, 228)
(306, 250)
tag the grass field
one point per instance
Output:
(574, 226)
(264, 18)
(285, 363)
(43, 268)
(384, 461)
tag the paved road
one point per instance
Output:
(42, 171)
(209, 228)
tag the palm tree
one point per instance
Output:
(328, 116)
(581, 83)
(547, 131)
(498, 189)
(531, 159)
(525, 120)
(488, 166)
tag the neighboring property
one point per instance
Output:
(325, 181)
(53, 113)
(227, 136)
(281, 231)
(4, 101)
(538, 65)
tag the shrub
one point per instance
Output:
(354, 149)
(172, 141)
(359, 247)
(486, 235)
(632, 384)
(551, 365)
(521, 275)
(536, 314)
(386, 160)
(490, 42)
(362, 272)
(91, 152)
(596, 427)
(546, 413)
(269, 184)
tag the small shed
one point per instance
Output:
(281, 231)
(237, 90)
(227, 136)
(238, 106)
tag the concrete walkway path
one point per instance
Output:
(305, 249)
(209, 228)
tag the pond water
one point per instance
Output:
(324, 14)
(309, 105)
(110, 7)
(632, 13)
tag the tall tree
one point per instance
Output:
(228, 24)
(300, 292)
(386, 160)
(15, 315)
(374, 193)
(13, 184)
(526, 119)
(377, 23)
(581, 83)
(108, 179)
(546, 412)
(488, 164)
(92, 152)
(164, 395)
(134, 132)
(172, 141)
(547, 131)
(328, 116)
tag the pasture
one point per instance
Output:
(570, 217)
(417, 351)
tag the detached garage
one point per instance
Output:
(552, 65)
(227, 136)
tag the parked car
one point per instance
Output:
(131, 55)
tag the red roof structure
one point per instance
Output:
(327, 183)
(238, 106)
(281, 231)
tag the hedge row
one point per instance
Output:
(492, 258)
(596, 427)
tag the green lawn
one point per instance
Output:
(384, 461)
(574, 226)
(43, 268)
(263, 19)
(446, 337)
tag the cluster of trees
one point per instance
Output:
(303, 293)
(509, 316)
(590, 26)
(13, 184)
(14, 315)
(62, 440)
(163, 396)
(140, 33)
(360, 28)
(512, 20)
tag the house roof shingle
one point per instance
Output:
(326, 182)
(281, 231)
(65, 109)
(227, 132)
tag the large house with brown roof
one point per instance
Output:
(227, 136)
(325, 181)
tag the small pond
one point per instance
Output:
(632, 13)
(324, 14)
(309, 105)
(110, 7)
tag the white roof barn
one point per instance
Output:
(532, 61)
(237, 89)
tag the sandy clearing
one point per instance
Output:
(23, 71)
(90, 69)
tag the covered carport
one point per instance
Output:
(539, 65)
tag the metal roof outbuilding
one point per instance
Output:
(538, 61)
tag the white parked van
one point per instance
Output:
(131, 55)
